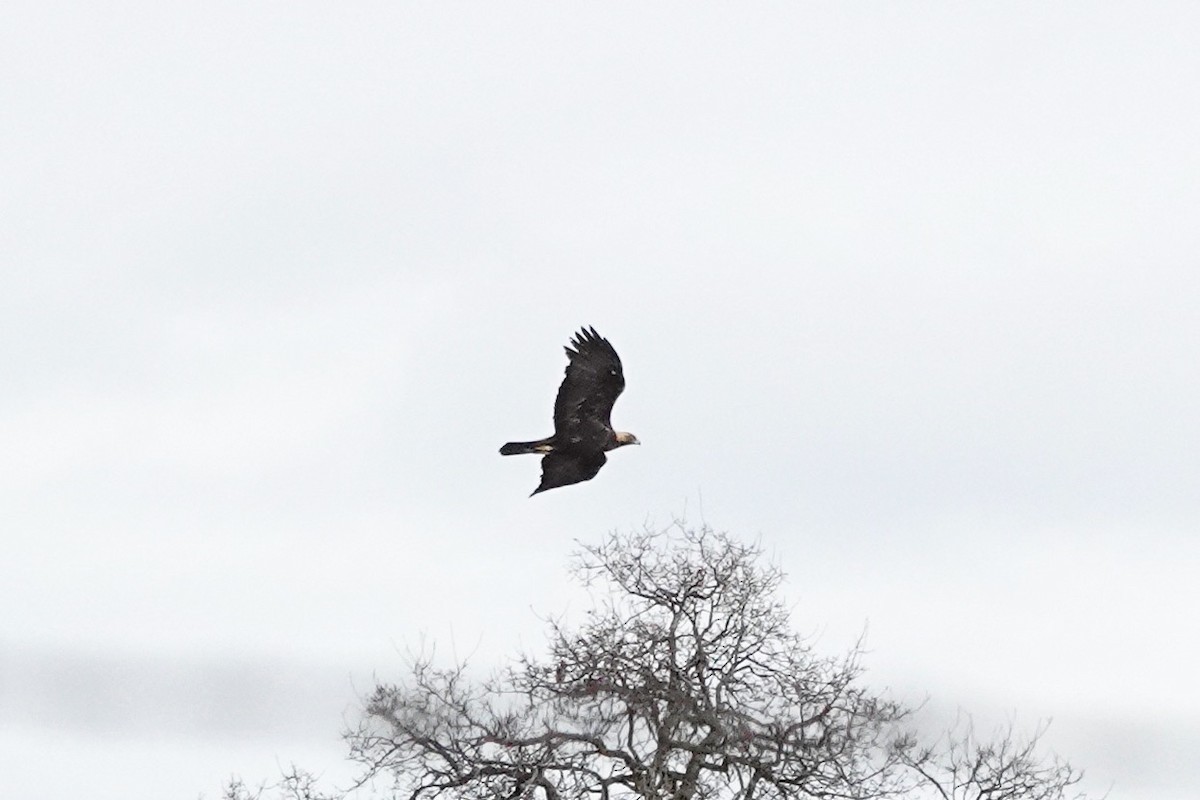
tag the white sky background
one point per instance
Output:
(908, 293)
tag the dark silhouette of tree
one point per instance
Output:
(684, 682)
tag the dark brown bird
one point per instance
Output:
(583, 429)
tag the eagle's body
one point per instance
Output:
(583, 430)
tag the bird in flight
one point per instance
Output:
(583, 430)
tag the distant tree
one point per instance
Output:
(685, 682)
(963, 767)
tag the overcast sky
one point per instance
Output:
(908, 293)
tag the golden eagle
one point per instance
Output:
(583, 431)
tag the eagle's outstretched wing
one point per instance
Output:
(563, 469)
(594, 381)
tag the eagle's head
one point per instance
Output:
(622, 438)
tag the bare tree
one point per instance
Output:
(295, 784)
(1007, 767)
(685, 681)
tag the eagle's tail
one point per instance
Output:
(517, 448)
